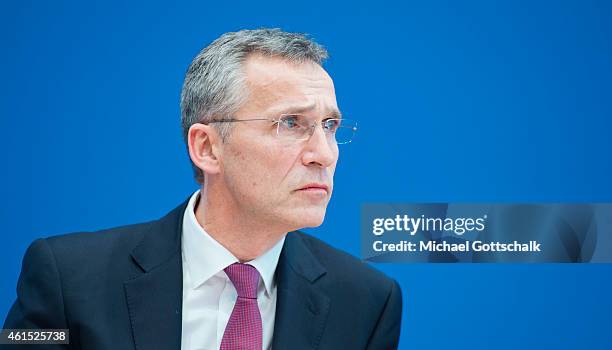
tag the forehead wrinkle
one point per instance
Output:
(296, 91)
(263, 93)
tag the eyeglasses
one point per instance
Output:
(295, 127)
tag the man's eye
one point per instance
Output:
(331, 124)
(291, 122)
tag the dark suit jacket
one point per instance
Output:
(122, 289)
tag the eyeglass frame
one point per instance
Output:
(277, 122)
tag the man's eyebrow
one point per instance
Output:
(334, 113)
(297, 109)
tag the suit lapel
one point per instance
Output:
(154, 296)
(301, 308)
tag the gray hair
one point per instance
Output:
(214, 85)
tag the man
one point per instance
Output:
(221, 271)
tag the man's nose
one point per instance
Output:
(320, 150)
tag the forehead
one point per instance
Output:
(277, 85)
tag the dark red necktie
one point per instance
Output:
(244, 328)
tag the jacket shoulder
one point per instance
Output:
(348, 271)
(86, 258)
(123, 237)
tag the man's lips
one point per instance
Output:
(314, 187)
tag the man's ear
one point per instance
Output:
(204, 148)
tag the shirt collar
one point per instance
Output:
(205, 257)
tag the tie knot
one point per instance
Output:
(245, 279)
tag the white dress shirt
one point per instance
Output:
(209, 295)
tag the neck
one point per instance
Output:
(246, 238)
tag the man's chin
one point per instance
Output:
(304, 220)
(313, 224)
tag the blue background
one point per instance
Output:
(457, 101)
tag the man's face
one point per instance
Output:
(274, 179)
